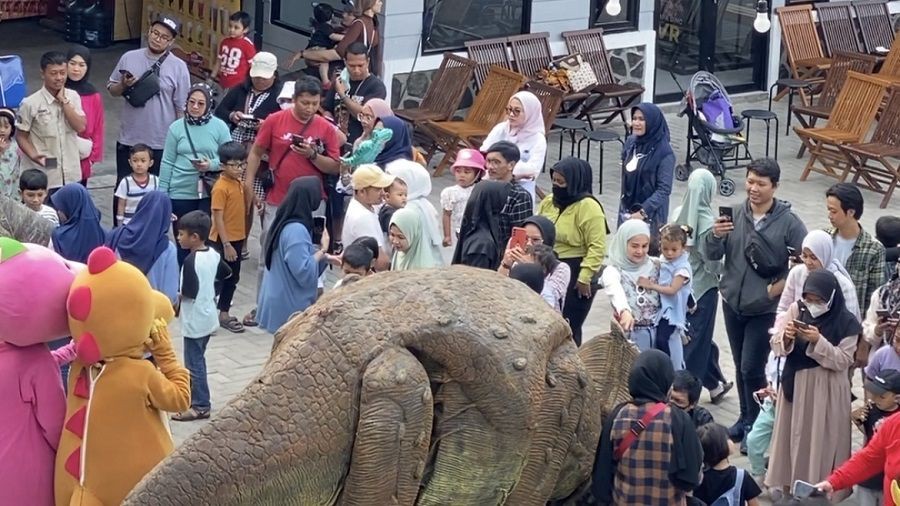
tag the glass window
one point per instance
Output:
(448, 24)
(625, 20)
(296, 16)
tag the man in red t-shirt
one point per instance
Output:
(235, 53)
(299, 143)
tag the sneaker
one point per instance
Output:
(717, 394)
(737, 431)
(744, 446)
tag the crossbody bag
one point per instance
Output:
(266, 175)
(637, 428)
(147, 86)
(207, 178)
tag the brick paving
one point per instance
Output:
(234, 359)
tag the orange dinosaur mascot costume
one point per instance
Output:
(115, 431)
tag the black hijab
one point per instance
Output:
(578, 182)
(399, 146)
(834, 325)
(653, 147)
(548, 229)
(648, 383)
(302, 199)
(479, 233)
(530, 274)
(84, 86)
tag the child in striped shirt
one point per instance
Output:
(132, 188)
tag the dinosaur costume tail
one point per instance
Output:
(406, 388)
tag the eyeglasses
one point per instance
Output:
(156, 34)
(238, 165)
(535, 240)
(512, 111)
(362, 117)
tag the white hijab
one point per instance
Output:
(418, 187)
(822, 246)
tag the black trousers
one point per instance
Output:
(749, 340)
(123, 169)
(180, 208)
(229, 285)
(576, 309)
(701, 355)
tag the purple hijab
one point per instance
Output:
(145, 237)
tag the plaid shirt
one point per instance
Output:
(865, 266)
(519, 207)
(642, 476)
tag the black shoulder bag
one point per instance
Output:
(147, 86)
(266, 174)
(209, 177)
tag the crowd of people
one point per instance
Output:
(332, 177)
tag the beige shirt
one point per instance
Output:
(41, 115)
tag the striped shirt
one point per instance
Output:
(133, 192)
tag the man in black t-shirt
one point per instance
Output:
(345, 100)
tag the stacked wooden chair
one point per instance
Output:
(488, 53)
(444, 93)
(838, 29)
(876, 164)
(874, 24)
(806, 59)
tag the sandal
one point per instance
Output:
(245, 254)
(232, 324)
(191, 415)
(250, 319)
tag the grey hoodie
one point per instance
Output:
(744, 290)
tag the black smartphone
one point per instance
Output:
(727, 212)
(125, 73)
(801, 325)
(50, 163)
(297, 140)
(883, 314)
(318, 229)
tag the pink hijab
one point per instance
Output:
(534, 118)
(380, 108)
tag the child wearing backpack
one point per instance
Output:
(723, 484)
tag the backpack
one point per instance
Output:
(733, 496)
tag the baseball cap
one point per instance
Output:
(366, 176)
(263, 65)
(469, 158)
(169, 23)
(886, 381)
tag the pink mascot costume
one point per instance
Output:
(34, 285)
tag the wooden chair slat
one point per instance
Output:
(891, 67)
(874, 24)
(487, 53)
(806, 59)
(444, 93)
(838, 30)
(531, 52)
(876, 164)
(551, 100)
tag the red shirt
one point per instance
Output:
(881, 454)
(275, 137)
(234, 60)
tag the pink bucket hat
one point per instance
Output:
(469, 158)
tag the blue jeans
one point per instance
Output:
(63, 369)
(759, 438)
(668, 340)
(195, 361)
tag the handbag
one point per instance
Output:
(147, 86)
(208, 178)
(581, 75)
(85, 146)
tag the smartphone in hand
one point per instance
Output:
(50, 163)
(802, 490)
(518, 238)
(727, 212)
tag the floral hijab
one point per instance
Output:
(210, 105)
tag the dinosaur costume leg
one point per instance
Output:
(393, 432)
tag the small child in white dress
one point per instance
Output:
(468, 169)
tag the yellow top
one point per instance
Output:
(580, 233)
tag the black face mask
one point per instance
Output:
(561, 193)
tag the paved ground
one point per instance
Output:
(233, 360)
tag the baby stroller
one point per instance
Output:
(714, 132)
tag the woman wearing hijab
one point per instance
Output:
(418, 188)
(79, 231)
(877, 328)
(410, 245)
(144, 243)
(293, 262)
(701, 355)
(190, 161)
(479, 235)
(662, 463)
(524, 127)
(580, 235)
(399, 147)
(540, 236)
(647, 166)
(817, 253)
(634, 307)
(811, 436)
(90, 141)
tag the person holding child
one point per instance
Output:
(144, 243)
(540, 237)
(9, 153)
(229, 232)
(675, 289)
(811, 435)
(720, 478)
(411, 248)
(468, 169)
(369, 184)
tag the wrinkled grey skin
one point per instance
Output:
(23, 224)
(425, 387)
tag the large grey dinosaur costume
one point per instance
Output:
(454, 386)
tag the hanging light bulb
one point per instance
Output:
(613, 7)
(762, 24)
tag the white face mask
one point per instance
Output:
(817, 309)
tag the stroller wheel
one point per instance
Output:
(682, 172)
(726, 187)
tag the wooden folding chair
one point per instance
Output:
(874, 24)
(876, 164)
(487, 53)
(838, 30)
(808, 115)
(488, 109)
(444, 93)
(551, 100)
(609, 97)
(531, 53)
(806, 59)
(853, 113)
(890, 69)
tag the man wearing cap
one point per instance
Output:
(369, 183)
(149, 124)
